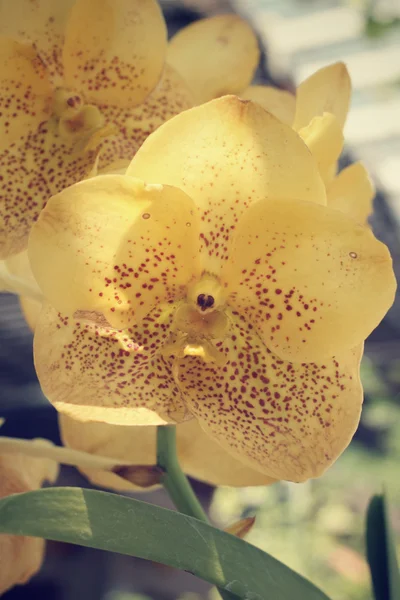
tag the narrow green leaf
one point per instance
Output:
(381, 551)
(119, 524)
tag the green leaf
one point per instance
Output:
(119, 524)
(381, 551)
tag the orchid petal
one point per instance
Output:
(204, 458)
(42, 23)
(352, 192)
(327, 90)
(312, 281)
(25, 92)
(96, 373)
(114, 51)
(16, 277)
(36, 167)
(114, 245)
(20, 556)
(31, 310)
(280, 103)
(324, 137)
(199, 456)
(227, 154)
(290, 421)
(216, 56)
(132, 445)
(133, 125)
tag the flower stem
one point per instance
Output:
(174, 480)
(176, 483)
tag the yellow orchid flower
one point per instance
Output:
(223, 290)
(76, 78)
(21, 557)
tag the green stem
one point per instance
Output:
(174, 480)
(176, 483)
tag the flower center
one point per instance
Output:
(199, 323)
(207, 294)
(66, 103)
(78, 121)
(205, 301)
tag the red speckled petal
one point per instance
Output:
(290, 421)
(115, 50)
(33, 169)
(312, 281)
(326, 90)
(204, 458)
(216, 56)
(170, 97)
(199, 455)
(40, 22)
(95, 373)
(115, 245)
(25, 91)
(227, 154)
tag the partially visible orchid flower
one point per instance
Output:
(219, 56)
(199, 456)
(21, 557)
(322, 104)
(212, 281)
(317, 112)
(83, 84)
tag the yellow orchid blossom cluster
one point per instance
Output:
(211, 282)
(226, 281)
